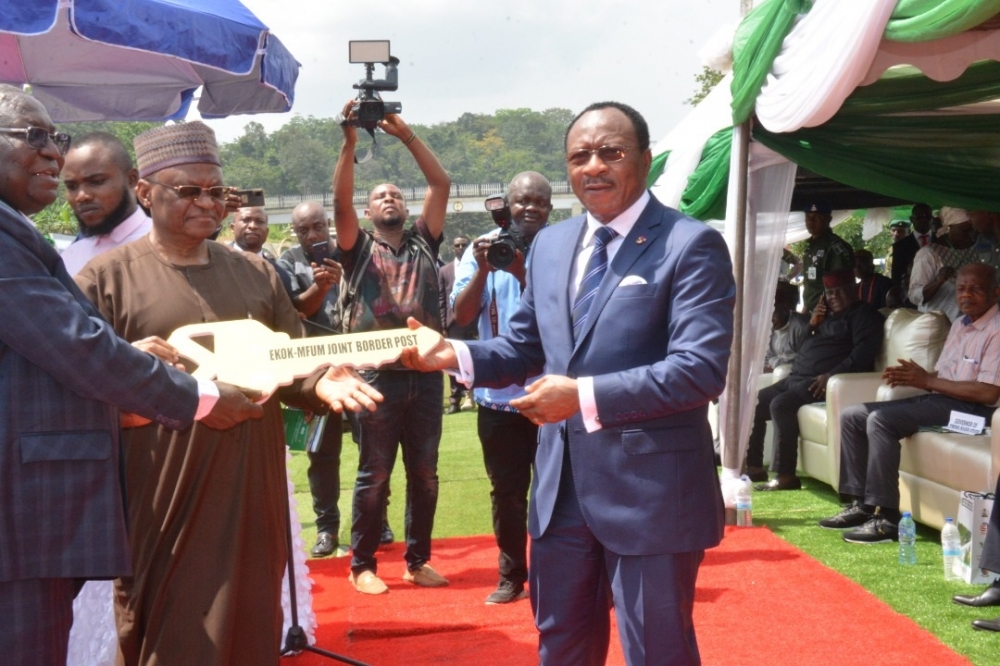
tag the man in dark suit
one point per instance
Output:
(446, 280)
(632, 330)
(63, 375)
(906, 248)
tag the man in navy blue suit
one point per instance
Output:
(631, 331)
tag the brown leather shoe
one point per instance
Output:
(366, 582)
(425, 577)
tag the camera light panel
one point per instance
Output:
(370, 50)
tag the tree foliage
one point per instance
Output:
(706, 80)
(299, 157)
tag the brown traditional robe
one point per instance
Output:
(206, 508)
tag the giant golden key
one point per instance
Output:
(247, 353)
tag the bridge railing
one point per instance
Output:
(458, 191)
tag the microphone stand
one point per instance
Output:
(296, 639)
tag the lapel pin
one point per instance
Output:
(640, 240)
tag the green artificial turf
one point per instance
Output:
(919, 592)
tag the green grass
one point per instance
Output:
(463, 494)
(919, 592)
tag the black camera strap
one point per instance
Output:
(494, 314)
(371, 149)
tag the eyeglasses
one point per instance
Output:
(38, 137)
(218, 192)
(606, 154)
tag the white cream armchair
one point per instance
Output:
(908, 334)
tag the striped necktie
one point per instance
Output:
(592, 276)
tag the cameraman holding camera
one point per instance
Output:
(493, 293)
(391, 274)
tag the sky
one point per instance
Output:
(477, 56)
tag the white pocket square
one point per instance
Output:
(630, 280)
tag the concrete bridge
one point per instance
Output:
(465, 198)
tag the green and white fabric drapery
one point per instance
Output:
(898, 97)
(830, 79)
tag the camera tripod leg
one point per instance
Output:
(296, 639)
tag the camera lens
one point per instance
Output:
(501, 253)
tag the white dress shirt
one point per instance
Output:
(585, 385)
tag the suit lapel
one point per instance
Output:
(649, 226)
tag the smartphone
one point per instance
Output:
(320, 251)
(251, 197)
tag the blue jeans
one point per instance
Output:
(409, 417)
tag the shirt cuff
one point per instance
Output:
(208, 395)
(466, 373)
(588, 404)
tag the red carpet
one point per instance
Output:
(739, 613)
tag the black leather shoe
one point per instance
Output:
(452, 409)
(757, 474)
(774, 484)
(326, 543)
(989, 597)
(987, 625)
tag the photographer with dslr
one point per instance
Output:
(390, 274)
(493, 293)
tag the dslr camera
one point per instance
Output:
(503, 249)
(369, 109)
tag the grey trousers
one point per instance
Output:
(870, 447)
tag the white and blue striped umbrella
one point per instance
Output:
(144, 59)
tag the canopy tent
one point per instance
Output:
(896, 98)
(144, 59)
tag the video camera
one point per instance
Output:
(503, 249)
(369, 109)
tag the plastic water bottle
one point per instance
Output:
(951, 548)
(744, 503)
(907, 539)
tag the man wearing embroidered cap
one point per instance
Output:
(825, 252)
(207, 509)
(932, 280)
(845, 336)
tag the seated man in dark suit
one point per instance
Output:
(872, 287)
(966, 379)
(845, 336)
